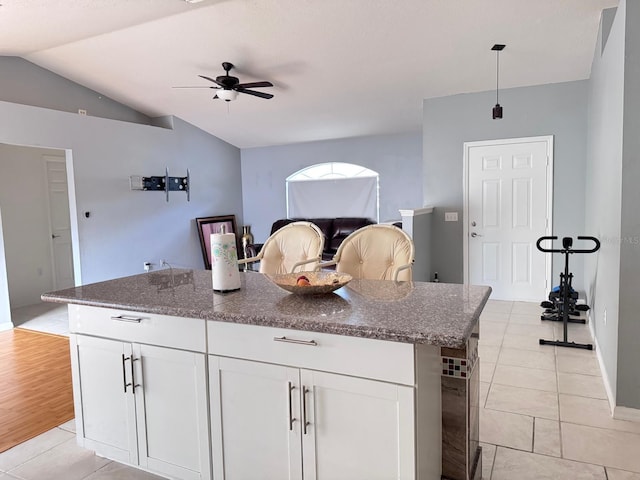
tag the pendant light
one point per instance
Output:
(497, 110)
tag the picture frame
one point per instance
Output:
(207, 226)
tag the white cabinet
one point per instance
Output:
(140, 404)
(357, 428)
(105, 414)
(171, 407)
(256, 407)
(281, 422)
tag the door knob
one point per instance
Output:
(474, 234)
(54, 236)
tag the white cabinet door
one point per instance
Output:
(356, 428)
(255, 420)
(171, 404)
(275, 422)
(104, 405)
(142, 405)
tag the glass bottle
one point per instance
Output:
(246, 239)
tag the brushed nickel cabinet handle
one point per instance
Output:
(133, 381)
(124, 374)
(125, 318)
(290, 389)
(311, 343)
(305, 390)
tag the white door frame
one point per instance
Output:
(73, 213)
(465, 188)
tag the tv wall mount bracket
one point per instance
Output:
(162, 184)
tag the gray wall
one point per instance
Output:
(419, 229)
(126, 228)
(397, 158)
(613, 173)
(628, 394)
(556, 109)
(26, 83)
(25, 219)
(603, 184)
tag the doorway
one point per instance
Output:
(37, 208)
(507, 207)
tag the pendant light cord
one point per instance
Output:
(497, 73)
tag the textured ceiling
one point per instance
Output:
(340, 67)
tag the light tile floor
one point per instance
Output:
(44, 317)
(544, 413)
(54, 455)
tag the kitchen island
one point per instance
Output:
(377, 380)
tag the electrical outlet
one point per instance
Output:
(82, 111)
(450, 216)
(147, 266)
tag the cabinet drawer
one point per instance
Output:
(163, 330)
(360, 357)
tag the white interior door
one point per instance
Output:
(61, 249)
(507, 208)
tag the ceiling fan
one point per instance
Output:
(228, 86)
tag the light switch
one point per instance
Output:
(450, 216)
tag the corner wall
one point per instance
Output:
(556, 109)
(26, 83)
(628, 391)
(602, 196)
(612, 200)
(124, 227)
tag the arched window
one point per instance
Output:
(335, 189)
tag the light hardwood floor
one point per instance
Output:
(36, 393)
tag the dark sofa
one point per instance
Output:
(335, 230)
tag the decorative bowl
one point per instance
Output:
(319, 282)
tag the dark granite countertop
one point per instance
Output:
(440, 314)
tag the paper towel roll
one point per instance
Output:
(224, 262)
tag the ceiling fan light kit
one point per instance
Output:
(227, 95)
(497, 109)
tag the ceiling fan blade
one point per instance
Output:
(200, 86)
(255, 84)
(254, 93)
(211, 80)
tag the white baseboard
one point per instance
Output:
(6, 326)
(626, 413)
(611, 396)
(617, 412)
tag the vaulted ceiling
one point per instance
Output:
(340, 68)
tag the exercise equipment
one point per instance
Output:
(563, 299)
